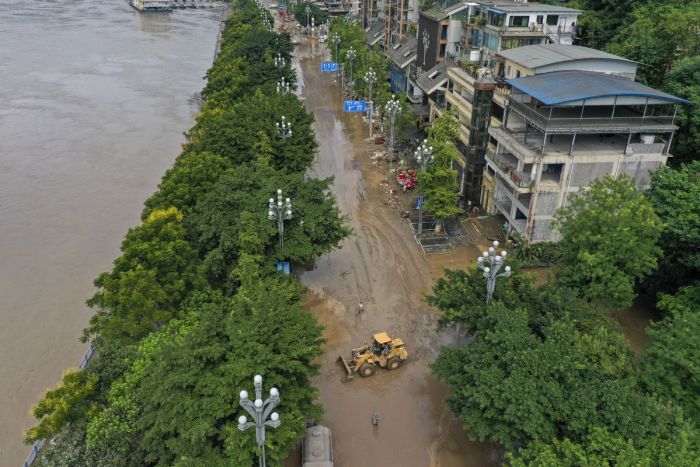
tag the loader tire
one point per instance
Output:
(394, 363)
(366, 370)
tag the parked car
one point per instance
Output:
(317, 447)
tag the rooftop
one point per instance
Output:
(437, 13)
(529, 7)
(404, 52)
(375, 32)
(562, 87)
(533, 56)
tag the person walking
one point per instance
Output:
(360, 308)
(375, 418)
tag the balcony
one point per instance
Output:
(594, 119)
(506, 167)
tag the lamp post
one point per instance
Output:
(284, 129)
(280, 212)
(392, 108)
(351, 56)
(259, 411)
(370, 79)
(307, 10)
(279, 61)
(424, 154)
(282, 86)
(490, 262)
(336, 43)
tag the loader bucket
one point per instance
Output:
(348, 370)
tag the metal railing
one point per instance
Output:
(573, 123)
(38, 445)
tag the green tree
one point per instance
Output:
(683, 80)
(299, 10)
(155, 273)
(670, 365)
(68, 402)
(181, 396)
(609, 240)
(246, 189)
(439, 181)
(605, 449)
(659, 35)
(188, 181)
(235, 132)
(675, 195)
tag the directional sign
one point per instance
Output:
(329, 66)
(419, 202)
(355, 106)
(283, 266)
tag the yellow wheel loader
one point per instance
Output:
(384, 352)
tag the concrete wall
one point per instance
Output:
(639, 170)
(584, 173)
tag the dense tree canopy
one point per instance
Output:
(609, 240)
(670, 364)
(181, 396)
(157, 270)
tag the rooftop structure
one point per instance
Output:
(546, 58)
(375, 33)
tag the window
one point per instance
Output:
(552, 20)
(443, 33)
(519, 21)
(491, 41)
(540, 19)
(508, 70)
(517, 73)
(443, 47)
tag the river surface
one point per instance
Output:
(94, 98)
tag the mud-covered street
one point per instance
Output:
(381, 266)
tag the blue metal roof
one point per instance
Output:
(561, 87)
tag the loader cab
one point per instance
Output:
(381, 344)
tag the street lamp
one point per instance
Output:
(424, 154)
(307, 10)
(336, 43)
(490, 262)
(282, 86)
(392, 108)
(279, 61)
(281, 212)
(370, 79)
(259, 410)
(351, 56)
(284, 129)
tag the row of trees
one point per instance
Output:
(193, 307)
(548, 375)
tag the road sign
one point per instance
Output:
(329, 66)
(354, 106)
(419, 202)
(283, 266)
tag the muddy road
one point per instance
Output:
(381, 266)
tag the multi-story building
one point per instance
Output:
(493, 26)
(371, 11)
(562, 130)
(400, 17)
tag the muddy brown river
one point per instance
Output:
(94, 98)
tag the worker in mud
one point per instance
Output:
(375, 418)
(360, 308)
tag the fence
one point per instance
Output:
(36, 447)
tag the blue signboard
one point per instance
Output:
(329, 66)
(419, 202)
(283, 266)
(355, 106)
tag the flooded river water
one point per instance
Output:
(94, 98)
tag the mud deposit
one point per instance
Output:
(382, 266)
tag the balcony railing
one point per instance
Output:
(604, 124)
(508, 170)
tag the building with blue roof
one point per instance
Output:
(562, 130)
